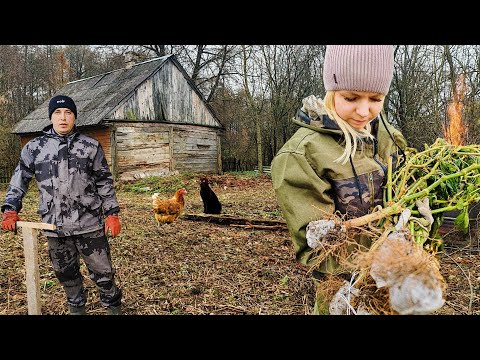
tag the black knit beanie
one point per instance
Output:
(61, 101)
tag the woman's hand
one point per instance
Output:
(319, 231)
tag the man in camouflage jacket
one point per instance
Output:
(76, 193)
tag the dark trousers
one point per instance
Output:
(65, 253)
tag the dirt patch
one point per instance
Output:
(192, 267)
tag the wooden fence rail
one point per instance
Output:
(266, 169)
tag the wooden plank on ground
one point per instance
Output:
(237, 221)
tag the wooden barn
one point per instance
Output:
(150, 118)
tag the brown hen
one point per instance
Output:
(166, 211)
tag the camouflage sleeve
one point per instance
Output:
(302, 195)
(21, 177)
(104, 183)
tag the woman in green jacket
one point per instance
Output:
(337, 159)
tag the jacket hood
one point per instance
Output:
(323, 124)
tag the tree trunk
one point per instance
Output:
(258, 129)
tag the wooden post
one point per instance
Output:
(30, 249)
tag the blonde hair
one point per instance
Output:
(353, 137)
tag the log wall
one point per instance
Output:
(135, 150)
(143, 149)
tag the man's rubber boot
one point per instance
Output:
(114, 310)
(77, 310)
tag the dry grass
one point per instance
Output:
(184, 268)
(193, 267)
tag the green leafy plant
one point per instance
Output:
(448, 175)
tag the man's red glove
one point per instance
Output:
(113, 223)
(10, 217)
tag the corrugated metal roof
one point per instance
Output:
(96, 97)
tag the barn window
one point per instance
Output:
(203, 143)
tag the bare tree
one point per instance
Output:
(292, 73)
(408, 103)
(255, 90)
(255, 94)
(158, 50)
(208, 65)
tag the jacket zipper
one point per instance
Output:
(384, 168)
(372, 190)
(375, 149)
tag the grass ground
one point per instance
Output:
(191, 267)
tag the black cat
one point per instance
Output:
(211, 205)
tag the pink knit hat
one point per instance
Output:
(358, 68)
